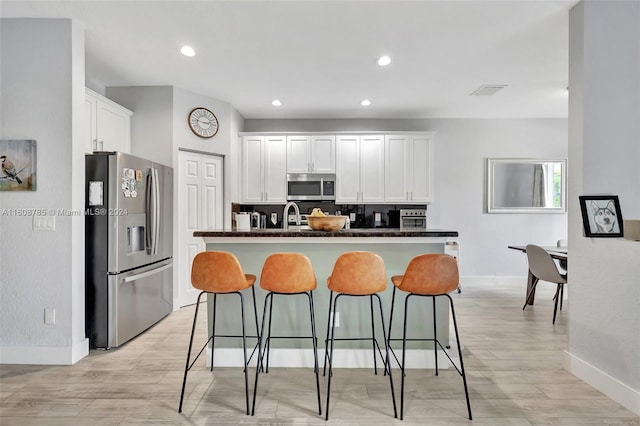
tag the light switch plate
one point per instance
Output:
(44, 223)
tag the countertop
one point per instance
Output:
(344, 233)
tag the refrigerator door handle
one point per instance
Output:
(147, 273)
(153, 212)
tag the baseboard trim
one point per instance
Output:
(610, 386)
(44, 355)
(342, 358)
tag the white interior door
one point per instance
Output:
(201, 186)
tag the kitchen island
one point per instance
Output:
(396, 247)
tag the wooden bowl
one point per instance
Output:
(326, 223)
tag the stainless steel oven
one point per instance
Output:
(310, 187)
(413, 219)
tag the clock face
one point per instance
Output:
(203, 123)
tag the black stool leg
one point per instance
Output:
(315, 348)
(404, 353)
(213, 329)
(326, 341)
(330, 355)
(244, 352)
(186, 366)
(435, 334)
(373, 339)
(260, 355)
(393, 299)
(561, 295)
(268, 340)
(387, 359)
(464, 376)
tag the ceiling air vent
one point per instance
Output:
(488, 89)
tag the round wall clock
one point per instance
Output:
(203, 122)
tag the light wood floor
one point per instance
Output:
(513, 360)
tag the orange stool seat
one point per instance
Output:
(429, 275)
(219, 272)
(357, 273)
(286, 274)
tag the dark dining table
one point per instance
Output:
(558, 253)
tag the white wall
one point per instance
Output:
(224, 143)
(461, 149)
(604, 135)
(42, 85)
(152, 120)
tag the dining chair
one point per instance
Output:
(543, 268)
(220, 273)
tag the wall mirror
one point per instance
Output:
(526, 185)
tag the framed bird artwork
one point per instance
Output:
(18, 165)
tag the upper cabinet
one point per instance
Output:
(263, 178)
(409, 169)
(311, 154)
(107, 124)
(394, 168)
(360, 169)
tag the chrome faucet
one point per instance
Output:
(285, 214)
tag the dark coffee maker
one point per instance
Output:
(394, 218)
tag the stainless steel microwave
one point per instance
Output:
(310, 187)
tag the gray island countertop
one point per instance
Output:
(344, 233)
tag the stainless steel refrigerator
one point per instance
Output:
(129, 246)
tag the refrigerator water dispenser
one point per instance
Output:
(135, 235)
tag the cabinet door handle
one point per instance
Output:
(313, 167)
(309, 169)
(101, 145)
(266, 196)
(95, 144)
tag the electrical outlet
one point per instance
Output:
(49, 316)
(337, 323)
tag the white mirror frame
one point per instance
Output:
(496, 184)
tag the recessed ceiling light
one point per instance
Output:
(187, 51)
(365, 102)
(276, 103)
(383, 61)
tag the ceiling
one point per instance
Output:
(319, 57)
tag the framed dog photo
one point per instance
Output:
(601, 215)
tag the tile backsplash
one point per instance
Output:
(365, 213)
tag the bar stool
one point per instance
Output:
(357, 274)
(428, 275)
(219, 272)
(287, 274)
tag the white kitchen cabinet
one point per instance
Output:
(360, 166)
(107, 124)
(409, 168)
(311, 154)
(264, 168)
